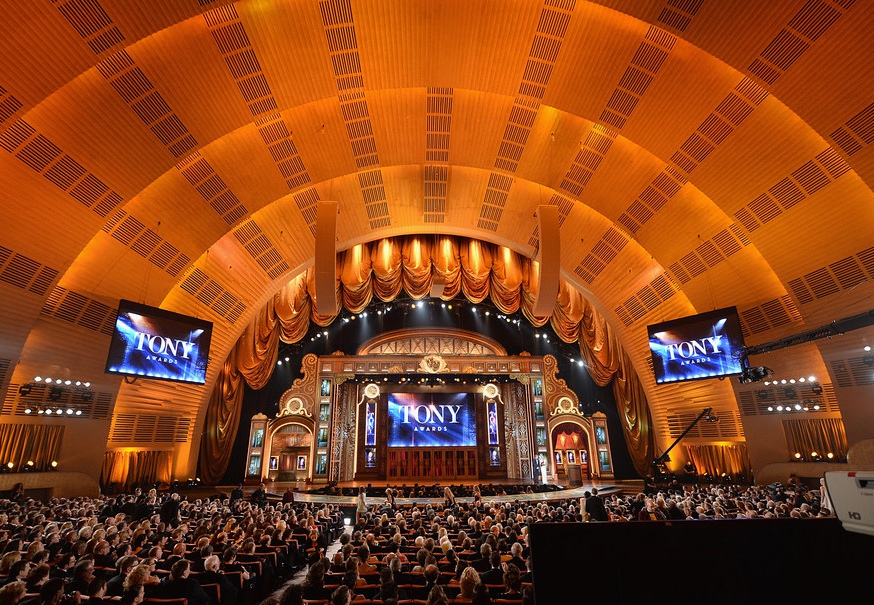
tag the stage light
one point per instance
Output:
(54, 464)
(10, 465)
(38, 379)
(830, 455)
(27, 410)
(68, 382)
(30, 463)
(49, 412)
(59, 411)
(69, 411)
(78, 412)
(798, 455)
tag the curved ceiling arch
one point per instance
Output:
(711, 175)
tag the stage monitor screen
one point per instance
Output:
(708, 345)
(431, 420)
(153, 343)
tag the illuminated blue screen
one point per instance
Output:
(431, 420)
(708, 345)
(153, 343)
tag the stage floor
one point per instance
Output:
(565, 491)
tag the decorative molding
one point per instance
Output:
(433, 364)
(432, 341)
(300, 399)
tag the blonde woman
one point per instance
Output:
(469, 580)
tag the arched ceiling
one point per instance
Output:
(701, 154)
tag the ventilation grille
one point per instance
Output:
(769, 315)
(708, 254)
(96, 407)
(9, 105)
(838, 276)
(145, 428)
(307, 202)
(78, 309)
(678, 13)
(853, 372)
(592, 150)
(25, 273)
(792, 190)
(805, 28)
(662, 188)
(135, 89)
(91, 22)
(646, 299)
(259, 247)
(233, 44)
(552, 26)
(494, 201)
(44, 157)
(132, 233)
(210, 186)
(728, 115)
(755, 402)
(213, 295)
(646, 63)
(438, 119)
(856, 132)
(729, 425)
(604, 251)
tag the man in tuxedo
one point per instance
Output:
(595, 506)
(180, 586)
(495, 575)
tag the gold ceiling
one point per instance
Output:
(701, 153)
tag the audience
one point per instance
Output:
(447, 549)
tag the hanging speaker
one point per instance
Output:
(326, 258)
(550, 259)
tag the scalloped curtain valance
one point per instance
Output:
(382, 270)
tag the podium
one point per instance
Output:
(574, 475)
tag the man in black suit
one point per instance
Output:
(495, 575)
(170, 511)
(212, 575)
(595, 506)
(115, 584)
(180, 586)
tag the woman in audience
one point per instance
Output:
(468, 582)
(11, 593)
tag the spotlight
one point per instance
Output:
(78, 412)
(38, 379)
(30, 463)
(798, 455)
(48, 412)
(54, 464)
(27, 410)
(10, 465)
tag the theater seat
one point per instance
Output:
(154, 601)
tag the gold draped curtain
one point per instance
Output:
(125, 468)
(820, 435)
(20, 443)
(382, 270)
(714, 460)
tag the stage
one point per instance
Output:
(556, 491)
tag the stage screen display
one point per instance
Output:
(708, 345)
(159, 344)
(431, 420)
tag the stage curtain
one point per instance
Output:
(714, 460)
(37, 442)
(820, 435)
(125, 468)
(382, 270)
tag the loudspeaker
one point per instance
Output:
(550, 261)
(326, 258)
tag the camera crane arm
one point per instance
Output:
(664, 457)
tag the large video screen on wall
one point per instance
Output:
(431, 420)
(708, 345)
(154, 343)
